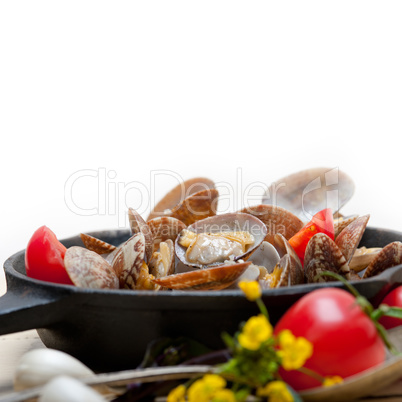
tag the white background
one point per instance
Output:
(209, 88)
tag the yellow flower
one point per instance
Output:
(330, 381)
(293, 351)
(276, 391)
(224, 395)
(177, 394)
(255, 331)
(204, 388)
(251, 289)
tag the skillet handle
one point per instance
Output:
(23, 310)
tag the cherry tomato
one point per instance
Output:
(392, 299)
(322, 222)
(345, 340)
(44, 257)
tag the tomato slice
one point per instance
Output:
(322, 222)
(44, 257)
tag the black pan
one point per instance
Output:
(109, 329)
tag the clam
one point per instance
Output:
(213, 240)
(340, 223)
(265, 256)
(276, 219)
(162, 262)
(129, 264)
(214, 278)
(138, 225)
(190, 201)
(350, 237)
(388, 257)
(309, 191)
(96, 245)
(165, 228)
(288, 271)
(88, 269)
(362, 257)
(322, 254)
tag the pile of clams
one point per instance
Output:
(185, 245)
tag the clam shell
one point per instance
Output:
(295, 268)
(362, 257)
(341, 223)
(96, 245)
(156, 266)
(251, 273)
(322, 254)
(265, 256)
(226, 223)
(179, 193)
(196, 207)
(164, 228)
(128, 260)
(138, 225)
(287, 277)
(277, 220)
(88, 269)
(388, 257)
(309, 191)
(350, 237)
(215, 278)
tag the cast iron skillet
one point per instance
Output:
(109, 329)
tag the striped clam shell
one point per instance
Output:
(214, 278)
(88, 269)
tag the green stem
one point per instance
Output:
(262, 307)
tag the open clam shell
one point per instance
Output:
(341, 223)
(285, 277)
(232, 222)
(196, 207)
(276, 219)
(265, 256)
(293, 264)
(189, 201)
(88, 269)
(362, 257)
(309, 191)
(214, 278)
(350, 237)
(164, 228)
(96, 245)
(138, 225)
(162, 262)
(128, 260)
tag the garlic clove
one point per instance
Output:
(39, 366)
(68, 389)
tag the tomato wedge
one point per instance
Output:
(322, 222)
(44, 257)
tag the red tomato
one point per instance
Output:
(392, 299)
(44, 257)
(322, 222)
(345, 340)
